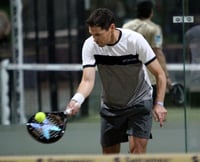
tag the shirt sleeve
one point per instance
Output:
(88, 53)
(144, 50)
(157, 38)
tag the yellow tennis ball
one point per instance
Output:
(40, 117)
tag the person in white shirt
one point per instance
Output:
(121, 56)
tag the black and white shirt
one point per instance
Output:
(122, 68)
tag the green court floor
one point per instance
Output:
(83, 138)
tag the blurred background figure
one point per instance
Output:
(5, 26)
(193, 42)
(152, 33)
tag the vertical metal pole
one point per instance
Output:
(51, 52)
(17, 50)
(35, 10)
(4, 100)
(184, 61)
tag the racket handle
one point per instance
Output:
(68, 111)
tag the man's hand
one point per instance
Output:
(74, 107)
(159, 114)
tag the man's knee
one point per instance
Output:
(138, 145)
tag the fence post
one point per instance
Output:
(17, 50)
(5, 109)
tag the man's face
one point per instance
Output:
(101, 36)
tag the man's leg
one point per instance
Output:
(115, 149)
(137, 145)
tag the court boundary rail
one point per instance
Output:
(189, 157)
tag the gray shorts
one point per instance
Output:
(117, 125)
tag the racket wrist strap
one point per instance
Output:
(79, 98)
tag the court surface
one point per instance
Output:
(83, 138)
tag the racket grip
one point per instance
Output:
(68, 111)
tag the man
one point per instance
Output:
(153, 34)
(121, 56)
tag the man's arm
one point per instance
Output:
(156, 69)
(84, 89)
(159, 111)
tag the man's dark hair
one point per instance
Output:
(144, 9)
(101, 17)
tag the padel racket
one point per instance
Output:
(51, 129)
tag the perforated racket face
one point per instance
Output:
(50, 130)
